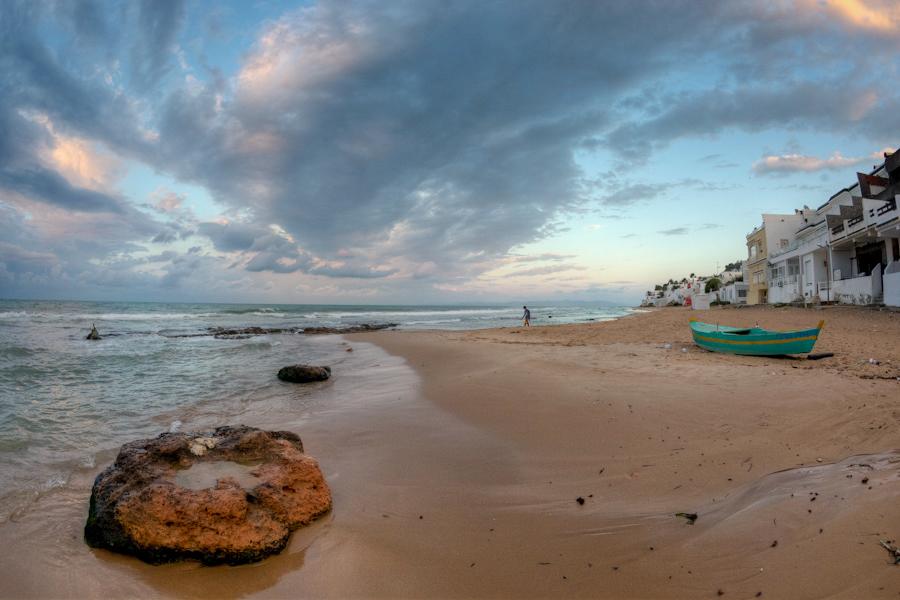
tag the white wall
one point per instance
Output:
(781, 227)
(892, 284)
(859, 290)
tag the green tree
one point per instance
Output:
(712, 284)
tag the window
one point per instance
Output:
(742, 293)
(784, 244)
(753, 251)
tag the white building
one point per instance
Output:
(864, 238)
(734, 292)
(782, 277)
(847, 249)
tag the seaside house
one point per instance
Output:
(734, 292)
(773, 235)
(864, 238)
(785, 274)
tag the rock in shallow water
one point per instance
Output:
(137, 508)
(304, 373)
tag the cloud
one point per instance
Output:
(674, 231)
(799, 163)
(361, 144)
(627, 195)
(158, 24)
(548, 270)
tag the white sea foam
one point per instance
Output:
(13, 314)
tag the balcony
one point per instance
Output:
(888, 207)
(837, 229)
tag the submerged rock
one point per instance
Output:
(94, 334)
(303, 373)
(137, 508)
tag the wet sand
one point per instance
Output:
(456, 462)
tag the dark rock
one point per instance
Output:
(94, 334)
(303, 373)
(136, 507)
(690, 517)
(240, 333)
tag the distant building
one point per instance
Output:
(734, 292)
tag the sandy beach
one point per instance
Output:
(791, 465)
(458, 469)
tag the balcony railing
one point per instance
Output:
(854, 221)
(888, 207)
(837, 229)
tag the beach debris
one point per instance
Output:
(94, 334)
(667, 346)
(819, 355)
(303, 373)
(137, 508)
(864, 480)
(579, 500)
(349, 350)
(691, 517)
(892, 550)
(683, 349)
(873, 361)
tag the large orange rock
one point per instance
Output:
(138, 508)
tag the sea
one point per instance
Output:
(67, 404)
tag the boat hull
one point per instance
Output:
(754, 341)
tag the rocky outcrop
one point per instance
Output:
(94, 334)
(240, 333)
(303, 373)
(137, 508)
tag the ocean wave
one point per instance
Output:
(256, 310)
(13, 314)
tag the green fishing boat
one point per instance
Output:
(754, 340)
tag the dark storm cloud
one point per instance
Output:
(422, 133)
(746, 108)
(49, 186)
(232, 237)
(381, 137)
(158, 24)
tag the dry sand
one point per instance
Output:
(790, 465)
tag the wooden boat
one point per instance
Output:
(754, 340)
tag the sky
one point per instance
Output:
(423, 151)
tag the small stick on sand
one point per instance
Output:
(892, 550)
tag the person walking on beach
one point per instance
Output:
(526, 317)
